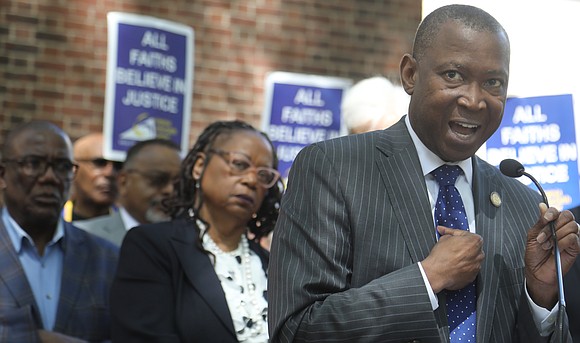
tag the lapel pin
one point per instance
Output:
(495, 199)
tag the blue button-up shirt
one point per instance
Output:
(44, 273)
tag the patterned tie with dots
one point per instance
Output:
(449, 212)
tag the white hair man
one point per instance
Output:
(373, 104)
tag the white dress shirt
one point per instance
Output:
(127, 219)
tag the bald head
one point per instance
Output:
(34, 126)
(469, 16)
(89, 146)
(372, 104)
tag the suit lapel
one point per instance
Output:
(488, 222)
(13, 276)
(115, 227)
(75, 259)
(200, 273)
(401, 174)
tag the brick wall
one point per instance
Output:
(53, 52)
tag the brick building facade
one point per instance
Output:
(53, 52)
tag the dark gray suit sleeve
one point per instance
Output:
(313, 295)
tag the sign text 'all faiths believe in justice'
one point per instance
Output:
(149, 82)
(301, 109)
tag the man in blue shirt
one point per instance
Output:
(54, 277)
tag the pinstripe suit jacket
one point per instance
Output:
(572, 291)
(109, 227)
(355, 221)
(83, 309)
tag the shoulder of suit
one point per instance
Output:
(77, 234)
(161, 229)
(513, 183)
(349, 142)
(97, 221)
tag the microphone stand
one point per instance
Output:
(559, 330)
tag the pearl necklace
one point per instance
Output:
(255, 314)
(214, 248)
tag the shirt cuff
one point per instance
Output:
(545, 320)
(432, 296)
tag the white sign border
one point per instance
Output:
(113, 21)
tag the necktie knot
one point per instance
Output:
(446, 175)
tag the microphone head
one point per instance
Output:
(511, 168)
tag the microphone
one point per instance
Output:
(513, 168)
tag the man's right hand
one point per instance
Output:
(455, 260)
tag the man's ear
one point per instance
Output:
(122, 181)
(198, 165)
(408, 70)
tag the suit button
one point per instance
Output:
(414, 341)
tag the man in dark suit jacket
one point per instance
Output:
(572, 291)
(54, 277)
(355, 255)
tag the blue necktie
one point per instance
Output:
(449, 212)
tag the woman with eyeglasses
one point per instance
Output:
(198, 278)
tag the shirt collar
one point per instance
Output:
(17, 234)
(429, 161)
(127, 219)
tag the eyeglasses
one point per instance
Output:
(35, 166)
(240, 164)
(156, 179)
(102, 163)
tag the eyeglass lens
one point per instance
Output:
(35, 166)
(101, 163)
(240, 164)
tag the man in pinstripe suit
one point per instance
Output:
(355, 255)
